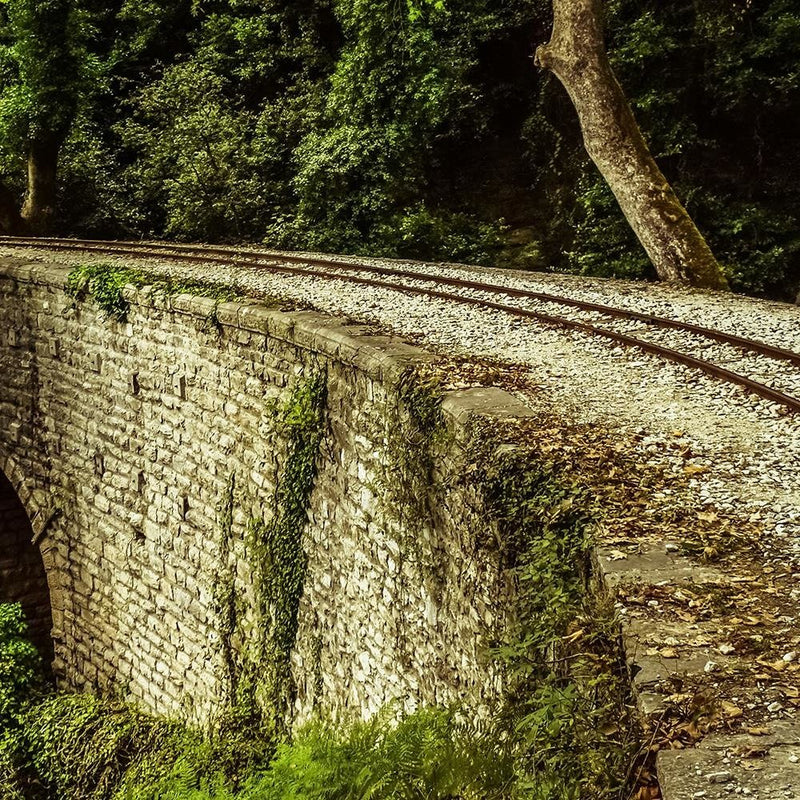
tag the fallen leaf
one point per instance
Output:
(730, 711)
(610, 730)
(754, 752)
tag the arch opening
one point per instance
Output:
(22, 575)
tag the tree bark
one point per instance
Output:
(39, 207)
(11, 222)
(576, 54)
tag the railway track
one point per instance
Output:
(618, 325)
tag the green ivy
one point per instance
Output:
(20, 664)
(567, 691)
(258, 668)
(105, 284)
(279, 559)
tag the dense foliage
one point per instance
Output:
(19, 664)
(716, 86)
(357, 126)
(45, 72)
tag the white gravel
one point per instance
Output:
(751, 446)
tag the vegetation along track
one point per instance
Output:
(484, 295)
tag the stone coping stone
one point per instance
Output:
(653, 566)
(463, 404)
(641, 638)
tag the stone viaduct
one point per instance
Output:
(119, 444)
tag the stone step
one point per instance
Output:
(735, 765)
(667, 655)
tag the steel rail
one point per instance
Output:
(762, 348)
(136, 250)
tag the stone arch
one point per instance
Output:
(23, 577)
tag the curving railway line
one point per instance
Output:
(670, 339)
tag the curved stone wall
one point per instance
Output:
(123, 438)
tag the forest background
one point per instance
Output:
(353, 126)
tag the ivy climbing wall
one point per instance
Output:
(243, 509)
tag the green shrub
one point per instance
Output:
(21, 681)
(104, 284)
(20, 664)
(427, 754)
(430, 753)
(80, 747)
(566, 690)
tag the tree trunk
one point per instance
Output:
(11, 222)
(39, 207)
(576, 54)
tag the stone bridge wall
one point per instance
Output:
(120, 440)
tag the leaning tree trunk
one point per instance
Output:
(39, 207)
(10, 220)
(576, 54)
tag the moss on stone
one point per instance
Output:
(105, 284)
(257, 669)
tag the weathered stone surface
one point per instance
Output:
(120, 438)
(664, 653)
(653, 566)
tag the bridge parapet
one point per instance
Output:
(123, 439)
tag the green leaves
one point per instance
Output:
(364, 173)
(105, 283)
(559, 652)
(258, 670)
(80, 747)
(417, 7)
(714, 86)
(20, 665)
(48, 68)
(428, 754)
